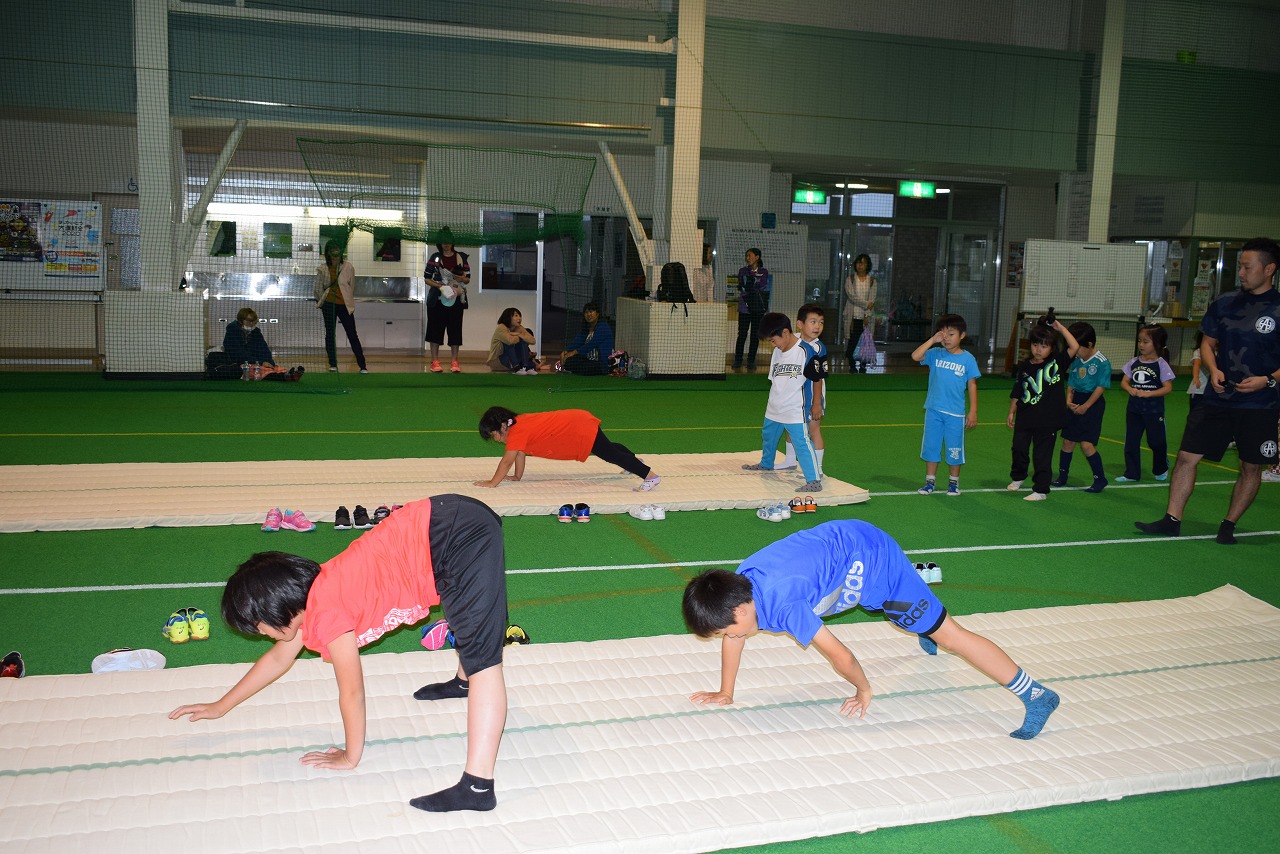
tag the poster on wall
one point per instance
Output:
(71, 238)
(19, 235)
(1013, 270)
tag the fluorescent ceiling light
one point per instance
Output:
(941, 190)
(259, 211)
(839, 186)
(859, 187)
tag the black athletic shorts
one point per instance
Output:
(1087, 427)
(443, 318)
(470, 572)
(1211, 428)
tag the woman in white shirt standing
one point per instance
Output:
(703, 281)
(859, 301)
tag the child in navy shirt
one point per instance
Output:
(792, 584)
(1147, 379)
(1037, 406)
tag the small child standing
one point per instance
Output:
(1199, 379)
(444, 550)
(952, 372)
(1147, 379)
(785, 411)
(1090, 376)
(812, 319)
(791, 585)
(1039, 401)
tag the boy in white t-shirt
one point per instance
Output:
(792, 360)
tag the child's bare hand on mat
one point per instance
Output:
(335, 758)
(720, 698)
(198, 712)
(857, 704)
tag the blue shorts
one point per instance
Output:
(942, 430)
(1087, 427)
(910, 604)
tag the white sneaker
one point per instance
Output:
(769, 514)
(643, 513)
(1269, 476)
(1014, 486)
(659, 513)
(783, 510)
(932, 573)
(1036, 496)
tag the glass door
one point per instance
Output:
(966, 283)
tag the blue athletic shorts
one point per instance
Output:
(910, 604)
(942, 430)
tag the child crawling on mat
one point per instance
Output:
(565, 434)
(444, 550)
(790, 585)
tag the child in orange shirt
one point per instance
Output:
(565, 434)
(444, 550)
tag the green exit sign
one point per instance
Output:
(811, 197)
(916, 189)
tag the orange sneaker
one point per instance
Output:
(453, 367)
(810, 506)
(435, 367)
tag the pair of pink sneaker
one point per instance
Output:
(290, 520)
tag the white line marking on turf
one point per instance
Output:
(115, 588)
(1113, 485)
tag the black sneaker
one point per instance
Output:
(515, 635)
(381, 513)
(362, 518)
(342, 519)
(1059, 481)
(12, 665)
(1167, 526)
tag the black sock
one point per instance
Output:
(469, 793)
(1227, 533)
(450, 690)
(1095, 465)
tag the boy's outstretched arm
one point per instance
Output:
(504, 466)
(730, 658)
(274, 663)
(346, 668)
(848, 667)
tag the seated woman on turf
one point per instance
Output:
(567, 434)
(509, 347)
(589, 351)
(243, 341)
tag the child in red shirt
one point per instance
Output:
(566, 434)
(444, 550)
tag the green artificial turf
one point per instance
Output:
(997, 552)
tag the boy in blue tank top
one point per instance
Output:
(792, 584)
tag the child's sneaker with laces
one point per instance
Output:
(649, 483)
(342, 519)
(197, 623)
(436, 635)
(435, 367)
(953, 488)
(381, 514)
(582, 513)
(361, 518)
(644, 513)
(296, 520)
(454, 368)
(272, 523)
(810, 506)
(659, 513)
(1014, 485)
(797, 505)
(566, 513)
(176, 628)
(515, 635)
(928, 488)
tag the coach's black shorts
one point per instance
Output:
(1087, 427)
(1211, 428)
(470, 571)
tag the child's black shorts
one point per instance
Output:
(1087, 427)
(470, 572)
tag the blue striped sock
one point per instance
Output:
(1039, 700)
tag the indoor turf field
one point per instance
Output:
(68, 596)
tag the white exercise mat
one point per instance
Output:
(603, 752)
(141, 495)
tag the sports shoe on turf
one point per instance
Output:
(381, 513)
(13, 666)
(932, 573)
(566, 513)
(453, 367)
(272, 524)
(810, 506)
(644, 513)
(1269, 476)
(1036, 496)
(784, 510)
(515, 635)
(1014, 485)
(659, 513)
(435, 367)
(648, 483)
(953, 488)
(928, 488)
(770, 513)
(176, 628)
(797, 505)
(1125, 479)
(812, 486)
(361, 517)
(1164, 475)
(197, 623)
(342, 519)
(436, 635)
(296, 520)
(581, 513)
(1059, 481)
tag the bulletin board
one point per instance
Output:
(1085, 279)
(50, 245)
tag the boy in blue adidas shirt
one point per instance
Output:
(792, 359)
(952, 372)
(791, 585)
(1087, 379)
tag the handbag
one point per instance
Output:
(866, 352)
